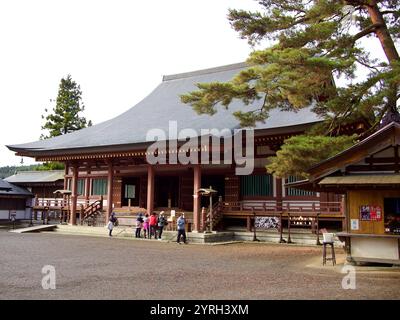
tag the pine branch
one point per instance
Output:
(371, 29)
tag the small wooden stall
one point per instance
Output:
(368, 174)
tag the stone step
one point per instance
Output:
(40, 228)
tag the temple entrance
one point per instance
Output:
(166, 191)
(217, 182)
(130, 192)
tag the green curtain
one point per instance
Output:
(257, 185)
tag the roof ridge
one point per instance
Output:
(189, 74)
(38, 171)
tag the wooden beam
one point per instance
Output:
(363, 168)
(372, 160)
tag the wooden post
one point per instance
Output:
(74, 195)
(289, 240)
(110, 180)
(317, 222)
(281, 240)
(248, 226)
(65, 176)
(87, 190)
(343, 212)
(150, 189)
(203, 219)
(196, 197)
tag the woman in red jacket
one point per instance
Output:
(153, 225)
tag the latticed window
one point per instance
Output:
(81, 186)
(99, 187)
(256, 185)
(297, 192)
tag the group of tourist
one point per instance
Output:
(152, 226)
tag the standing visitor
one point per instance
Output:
(153, 225)
(181, 229)
(139, 224)
(162, 222)
(111, 223)
(146, 226)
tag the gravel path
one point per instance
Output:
(102, 268)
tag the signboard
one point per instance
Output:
(354, 224)
(267, 222)
(370, 213)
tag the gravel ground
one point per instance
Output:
(102, 268)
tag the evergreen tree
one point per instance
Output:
(300, 152)
(65, 117)
(314, 42)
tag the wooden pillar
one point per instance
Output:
(65, 176)
(278, 193)
(87, 189)
(150, 189)
(74, 195)
(110, 180)
(196, 197)
(343, 207)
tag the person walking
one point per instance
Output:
(153, 225)
(112, 221)
(181, 222)
(162, 222)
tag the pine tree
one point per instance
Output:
(65, 117)
(314, 42)
(302, 151)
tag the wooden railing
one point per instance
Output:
(91, 212)
(296, 214)
(303, 207)
(61, 208)
(217, 215)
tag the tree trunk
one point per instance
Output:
(382, 32)
(388, 47)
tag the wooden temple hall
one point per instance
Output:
(107, 168)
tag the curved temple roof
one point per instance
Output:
(161, 106)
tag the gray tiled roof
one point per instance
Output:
(7, 188)
(162, 105)
(4, 185)
(36, 176)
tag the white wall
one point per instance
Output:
(21, 214)
(375, 248)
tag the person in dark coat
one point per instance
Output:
(162, 222)
(112, 221)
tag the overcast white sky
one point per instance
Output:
(116, 50)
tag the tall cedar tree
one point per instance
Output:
(65, 117)
(314, 42)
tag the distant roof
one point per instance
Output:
(7, 188)
(36, 176)
(164, 105)
(4, 185)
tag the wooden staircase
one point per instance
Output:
(217, 215)
(92, 215)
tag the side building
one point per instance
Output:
(42, 184)
(368, 174)
(15, 202)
